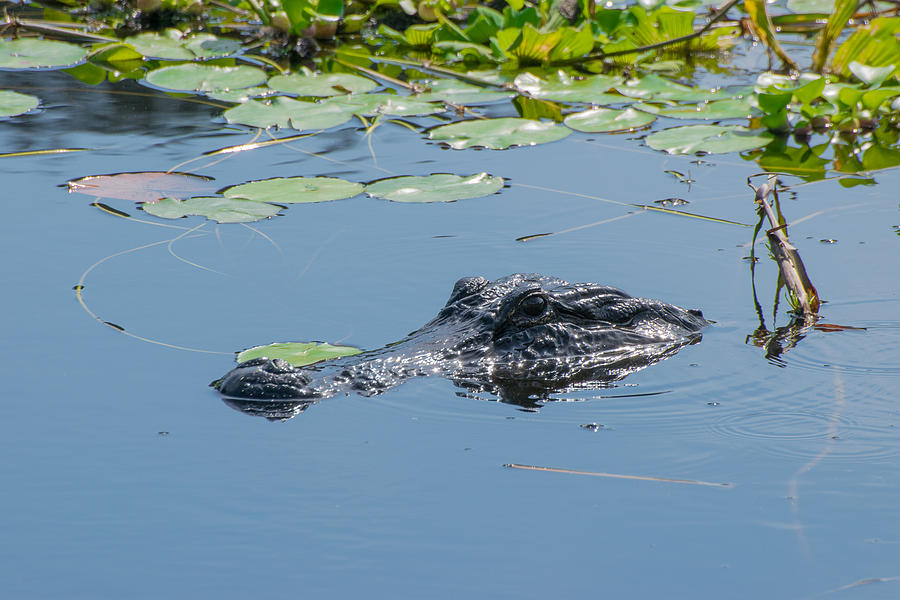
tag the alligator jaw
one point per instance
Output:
(264, 378)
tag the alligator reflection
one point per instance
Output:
(520, 338)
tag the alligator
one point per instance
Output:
(520, 337)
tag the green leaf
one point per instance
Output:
(298, 354)
(31, 53)
(206, 46)
(293, 190)
(165, 46)
(842, 12)
(215, 208)
(573, 43)
(458, 92)
(601, 120)
(712, 139)
(435, 188)
(14, 103)
(773, 103)
(872, 76)
(322, 84)
(653, 87)
(285, 113)
(719, 109)
(299, 13)
(193, 77)
(565, 89)
(384, 104)
(499, 133)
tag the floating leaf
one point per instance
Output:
(215, 208)
(206, 46)
(719, 109)
(498, 133)
(384, 104)
(14, 103)
(322, 84)
(590, 89)
(653, 87)
(598, 120)
(205, 78)
(286, 112)
(713, 139)
(298, 353)
(291, 190)
(31, 53)
(439, 187)
(165, 46)
(458, 92)
(238, 96)
(173, 45)
(147, 186)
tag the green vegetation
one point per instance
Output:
(564, 65)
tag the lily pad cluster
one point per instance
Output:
(174, 195)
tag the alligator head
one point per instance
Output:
(521, 336)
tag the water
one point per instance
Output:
(125, 476)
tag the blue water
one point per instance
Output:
(125, 476)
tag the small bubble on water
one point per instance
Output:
(829, 241)
(712, 403)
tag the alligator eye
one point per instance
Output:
(534, 305)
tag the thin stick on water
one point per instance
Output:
(618, 476)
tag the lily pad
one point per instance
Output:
(599, 120)
(31, 53)
(286, 112)
(590, 89)
(719, 109)
(292, 190)
(322, 84)
(147, 186)
(384, 104)
(14, 103)
(439, 187)
(498, 134)
(458, 92)
(165, 46)
(173, 45)
(298, 353)
(238, 96)
(215, 208)
(713, 139)
(194, 77)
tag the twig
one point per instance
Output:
(789, 263)
(617, 476)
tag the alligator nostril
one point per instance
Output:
(696, 312)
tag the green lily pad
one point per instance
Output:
(440, 187)
(238, 96)
(215, 208)
(173, 45)
(165, 46)
(590, 89)
(384, 104)
(206, 46)
(31, 53)
(322, 84)
(14, 103)
(710, 111)
(713, 139)
(599, 120)
(292, 190)
(288, 113)
(146, 186)
(458, 92)
(298, 353)
(498, 134)
(194, 77)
